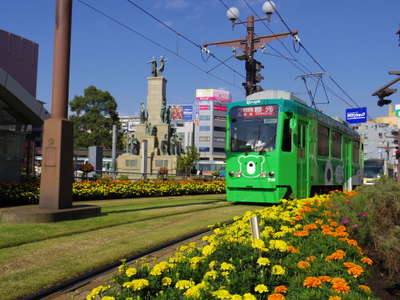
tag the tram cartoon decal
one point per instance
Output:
(251, 165)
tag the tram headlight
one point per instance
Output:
(263, 174)
(231, 173)
(271, 174)
(238, 174)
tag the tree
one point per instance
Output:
(94, 113)
(187, 161)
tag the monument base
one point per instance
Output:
(23, 214)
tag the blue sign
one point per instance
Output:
(187, 112)
(356, 115)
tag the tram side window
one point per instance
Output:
(286, 136)
(336, 144)
(323, 140)
(356, 151)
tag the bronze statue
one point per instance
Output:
(144, 115)
(161, 68)
(164, 145)
(153, 63)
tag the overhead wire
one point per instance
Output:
(129, 28)
(181, 35)
(313, 58)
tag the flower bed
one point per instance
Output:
(17, 194)
(303, 253)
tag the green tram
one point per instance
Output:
(277, 146)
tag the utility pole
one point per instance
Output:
(249, 46)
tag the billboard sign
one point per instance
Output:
(356, 115)
(211, 94)
(397, 110)
(181, 112)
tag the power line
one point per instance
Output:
(181, 35)
(129, 28)
(314, 59)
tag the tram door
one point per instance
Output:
(302, 159)
(347, 159)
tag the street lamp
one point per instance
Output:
(250, 44)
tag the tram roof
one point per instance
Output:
(299, 105)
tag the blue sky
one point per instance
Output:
(354, 40)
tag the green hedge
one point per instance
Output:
(28, 193)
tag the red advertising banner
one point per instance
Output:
(220, 107)
(258, 111)
(204, 107)
(176, 112)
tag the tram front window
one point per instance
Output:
(253, 128)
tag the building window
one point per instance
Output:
(323, 140)
(287, 136)
(219, 149)
(204, 118)
(220, 118)
(204, 138)
(204, 128)
(218, 128)
(336, 144)
(219, 139)
(131, 163)
(204, 149)
(161, 163)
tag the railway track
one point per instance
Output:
(77, 288)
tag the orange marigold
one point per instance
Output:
(324, 278)
(310, 227)
(337, 255)
(312, 282)
(340, 285)
(293, 249)
(335, 298)
(366, 260)
(300, 233)
(281, 289)
(319, 221)
(276, 297)
(365, 288)
(355, 271)
(303, 264)
(298, 218)
(311, 258)
(333, 223)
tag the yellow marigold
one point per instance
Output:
(211, 274)
(107, 298)
(312, 282)
(184, 284)
(293, 249)
(137, 284)
(258, 244)
(159, 268)
(340, 285)
(261, 288)
(301, 233)
(365, 288)
(249, 296)
(166, 281)
(335, 298)
(96, 291)
(280, 289)
(263, 261)
(277, 270)
(366, 260)
(227, 267)
(303, 264)
(278, 244)
(130, 272)
(221, 294)
(194, 291)
(208, 250)
(337, 255)
(276, 297)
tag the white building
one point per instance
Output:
(128, 123)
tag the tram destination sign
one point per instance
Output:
(258, 111)
(356, 115)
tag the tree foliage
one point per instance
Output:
(187, 161)
(94, 113)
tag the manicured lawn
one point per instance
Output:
(37, 256)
